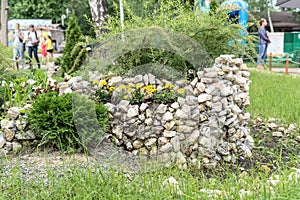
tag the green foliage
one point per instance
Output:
(6, 63)
(65, 121)
(275, 95)
(212, 32)
(72, 50)
(51, 9)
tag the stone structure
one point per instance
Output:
(208, 124)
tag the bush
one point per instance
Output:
(64, 122)
(172, 31)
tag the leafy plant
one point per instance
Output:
(64, 122)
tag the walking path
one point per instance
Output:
(290, 70)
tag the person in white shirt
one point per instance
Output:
(33, 43)
(18, 47)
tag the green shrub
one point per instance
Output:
(73, 36)
(65, 121)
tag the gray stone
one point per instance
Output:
(150, 142)
(7, 124)
(2, 141)
(181, 115)
(168, 116)
(169, 125)
(123, 105)
(180, 159)
(204, 97)
(161, 109)
(110, 107)
(9, 134)
(143, 107)
(217, 106)
(16, 146)
(212, 74)
(227, 91)
(162, 140)
(146, 79)
(169, 134)
(244, 67)
(149, 113)
(137, 144)
(75, 79)
(28, 135)
(176, 143)
(181, 101)
(129, 146)
(184, 129)
(67, 91)
(114, 80)
(191, 100)
(118, 131)
(166, 148)
(194, 137)
(138, 79)
(175, 105)
(151, 79)
(8, 146)
(194, 82)
(14, 112)
(133, 111)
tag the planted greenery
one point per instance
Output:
(55, 120)
(274, 95)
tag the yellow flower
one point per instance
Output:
(172, 91)
(95, 82)
(138, 86)
(163, 95)
(169, 85)
(133, 95)
(103, 83)
(180, 91)
(129, 90)
(125, 97)
(111, 89)
(131, 85)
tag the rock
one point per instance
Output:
(297, 138)
(118, 131)
(16, 146)
(180, 114)
(277, 134)
(169, 125)
(150, 142)
(168, 116)
(151, 79)
(114, 80)
(175, 105)
(67, 91)
(137, 144)
(133, 111)
(161, 109)
(143, 107)
(129, 146)
(14, 112)
(2, 141)
(180, 159)
(227, 91)
(28, 135)
(162, 141)
(194, 137)
(244, 67)
(272, 126)
(204, 97)
(7, 124)
(166, 148)
(171, 182)
(176, 144)
(110, 107)
(75, 79)
(217, 106)
(9, 134)
(169, 134)
(191, 100)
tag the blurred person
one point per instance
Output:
(33, 43)
(44, 51)
(264, 41)
(49, 44)
(18, 47)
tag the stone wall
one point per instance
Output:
(209, 124)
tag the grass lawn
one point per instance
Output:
(270, 174)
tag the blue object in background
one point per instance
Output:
(239, 12)
(203, 5)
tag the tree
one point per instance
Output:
(51, 9)
(99, 10)
(4, 18)
(73, 36)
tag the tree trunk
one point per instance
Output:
(99, 10)
(4, 19)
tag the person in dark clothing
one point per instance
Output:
(264, 41)
(33, 43)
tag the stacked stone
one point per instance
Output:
(207, 125)
(77, 85)
(15, 130)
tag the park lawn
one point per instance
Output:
(271, 95)
(275, 95)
